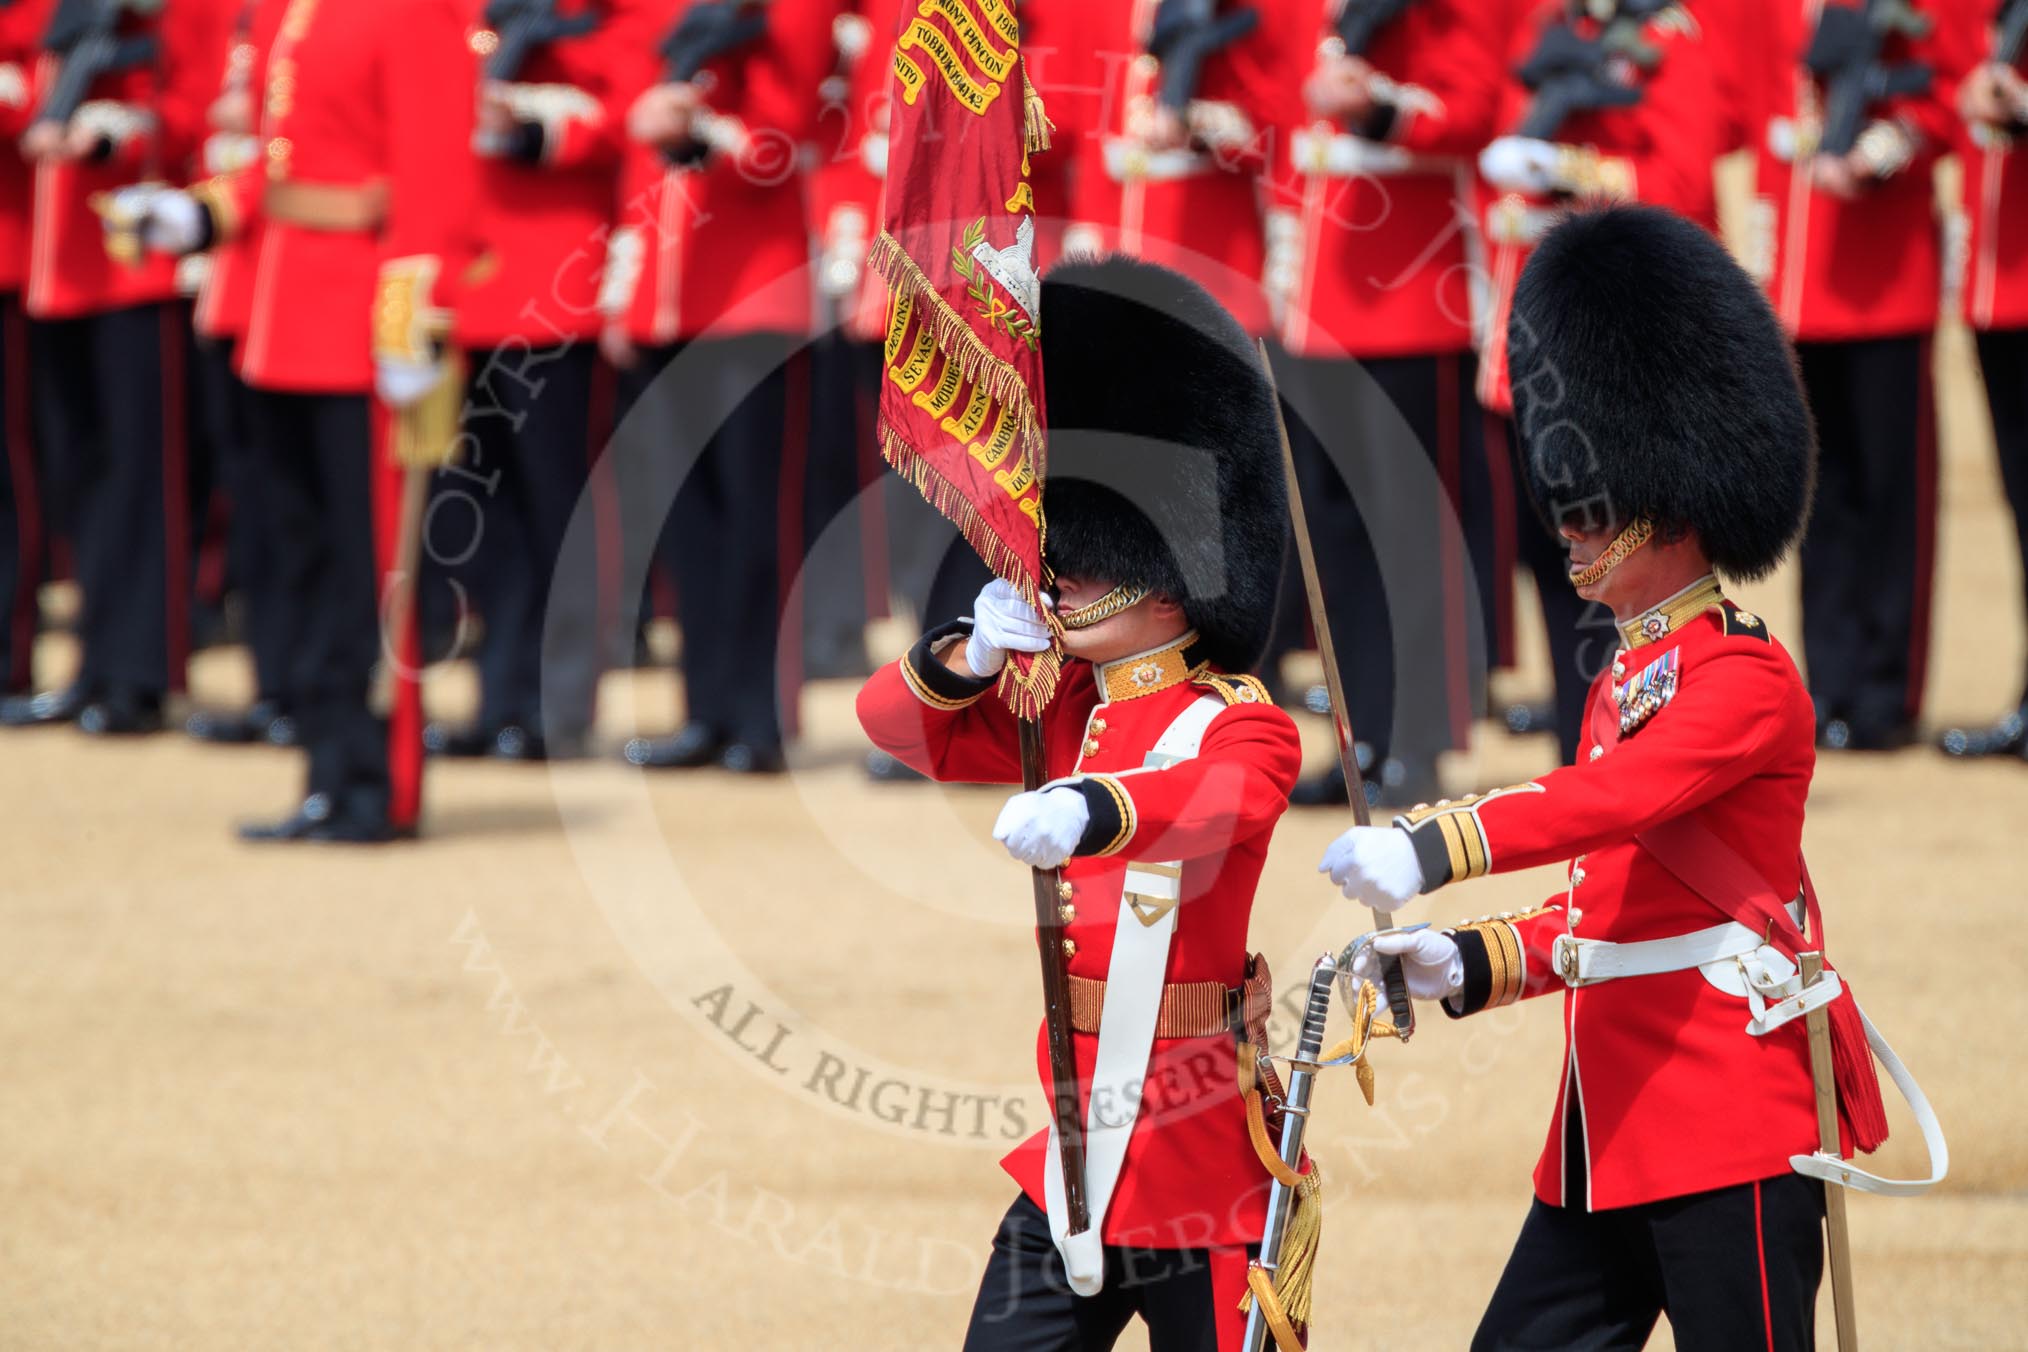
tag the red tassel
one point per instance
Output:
(1859, 1101)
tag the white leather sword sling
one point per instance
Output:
(1126, 1037)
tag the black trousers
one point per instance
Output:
(706, 420)
(1868, 557)
(252, 552)
(1735, 1268)
(1391, 454)
(1025, 1303)
(116, 384)
(22, 538)
(528, 429)
(318, 490)
(833, 577)
(2003, 360)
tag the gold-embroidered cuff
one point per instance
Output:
(1111, 823)
(406, 323)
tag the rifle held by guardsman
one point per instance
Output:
(519, 27)
(1185, 34)
(1844, 56)
(1360, 21)
(85, 35)
(1571, 74)
(708, 31)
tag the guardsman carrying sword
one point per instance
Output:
(1715, 1075)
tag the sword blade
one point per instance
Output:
(1398, 1003)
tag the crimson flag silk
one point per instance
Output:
(961, 400)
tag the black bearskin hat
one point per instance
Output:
(1165, 464)
(1651, 379)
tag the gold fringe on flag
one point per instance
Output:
(1026, 692)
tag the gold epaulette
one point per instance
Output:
(1743, 623)
(1234, 689)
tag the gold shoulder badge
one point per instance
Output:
(1745, 622)
(1236, 689)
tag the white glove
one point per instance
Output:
(1042, 828)
(1519, 164)
(1430, 963)
(177, 223)
(165, 219)
(401, 383)
(1002, 623)
(1375, 865)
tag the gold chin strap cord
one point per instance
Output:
(1107, 606)
(1637, 533)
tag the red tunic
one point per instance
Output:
(1390, 245)
(1995, 185)
(153, 115)
(724, 247)
(1199, 212)
(1869, 268)
(544, 223)
(359, 92)
(1191, 1177)
(21, 26)
(1657, 151)
(225, 301)
(1676, 1097)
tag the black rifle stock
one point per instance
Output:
(1844, 56)
(1186, 33)
(1571, 74)
(1360, 21)
(85, 34)
(525, 25)
(708, 31)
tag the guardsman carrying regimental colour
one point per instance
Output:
(1168, 772)
(1695, 1120)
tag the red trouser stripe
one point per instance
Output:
(175, 499)
(1760, 1250)
(403, 650)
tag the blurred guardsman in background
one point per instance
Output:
(1606, 100)
(842, 584)
(1852, 113)
(553, 98)
(711, 261)
(1194, 93)
(22, 530)
(364, 195)
(1386, 287)
(119, 95)
(224, 304)
(1674, 447)
(1165, 516)
(1993, 100)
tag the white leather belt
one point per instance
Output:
(1328, 155)
(1129, 161)
(1511, 220)
(1586, 962)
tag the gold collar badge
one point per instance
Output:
(1149, 672)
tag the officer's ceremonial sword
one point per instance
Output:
(1341, 722)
